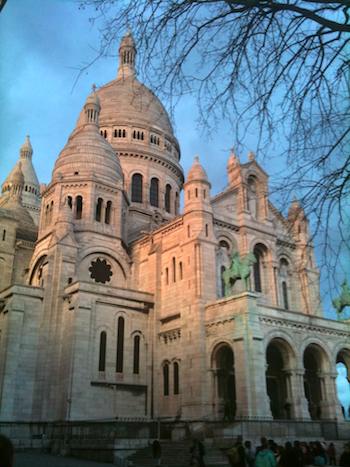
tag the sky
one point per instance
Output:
(43, 44)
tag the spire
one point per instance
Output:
(127, 56)
(92, 107)
(26, 150)
(233, 160)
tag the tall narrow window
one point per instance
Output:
(102, 356)
(206, 230)
(222, 282)
(285, 296)
(78, 207)
(51, 212)
(98, 209)
(176, 204)
(166, 379)
(257, 275)
(3, 235)
(70, 201)
(260, 252)
(167, 276)
(176, 378)
(154, 192)
(108, 212)
(136, 188)
(180, 270)
(174, 270)
(120, 345)
(167, 198)
(136, 355)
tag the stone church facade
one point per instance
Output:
(112, 301)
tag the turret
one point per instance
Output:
(233, 169)
(197, 189)
(31, 188)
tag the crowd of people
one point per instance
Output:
(298, 454)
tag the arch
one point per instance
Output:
(167, 197)
(136, 188)
(36, 275)
(222, 363)
(120, 344)
(102, 351)
(314, 362)
(136, 355)
(70, 201)
(279, 358)
(154, 192)
(108, 212)
(260, 252)
(98, 211)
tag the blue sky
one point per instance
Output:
(43, 45)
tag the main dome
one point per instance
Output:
(126, 100)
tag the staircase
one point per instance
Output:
(177, 454)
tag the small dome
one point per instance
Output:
(127, 40)
(87, 153)
(17, 177)
(197, 172)
(93, 98)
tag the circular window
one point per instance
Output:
(100, 271)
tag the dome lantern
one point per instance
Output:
(127, 56)
(92, 107)
(26, 150)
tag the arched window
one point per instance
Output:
(206, 230)
(180, 270)
(166, 379)
(105, 133)
(285, 295)
(51, 212)
(166, 276)
(78, 207)
(167, 198)
(98, 209)
(3, 235)
(154, 192)
(176, 378)
(196, 192)
(120, 345)
(70, 201)
(108, 212)
(136, 355)
(260, 252)
(136, 188)
(102, 355)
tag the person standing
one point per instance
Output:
(265, 457)
(157, 451)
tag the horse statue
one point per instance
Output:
(239, 269)
(343, 300)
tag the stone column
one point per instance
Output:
(330, 406)
(299, 401)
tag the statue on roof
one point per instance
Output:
(343, 300)
(239, 269)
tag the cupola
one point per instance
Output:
(127, 57)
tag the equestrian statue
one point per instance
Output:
(343, 300)
(239, 269)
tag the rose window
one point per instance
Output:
(100, 271)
